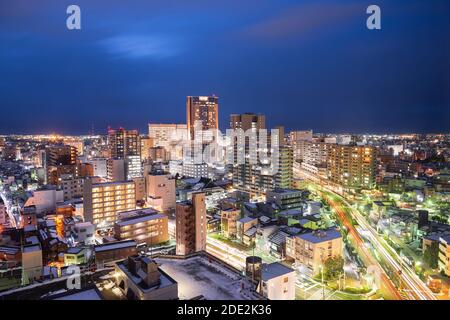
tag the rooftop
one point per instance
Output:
(31, 248)
(246, 219)
(74, 250)
(115, 245)
(138, 279)
(198, 276)
(274, 270)
(141, 218)
(319, 236)
(90, 294)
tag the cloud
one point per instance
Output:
(140, 46)
(302, 20)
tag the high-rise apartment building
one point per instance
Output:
(59, 160)
(351, 166)
(247, 121)
(202, 111)
(124, 143)
(254, 174)
(146, 144)
(76, 143)
(133, 167)
(115, 169)
(100, 167)
(102, 202)
(191, 225)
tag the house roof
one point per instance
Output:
(274, 270)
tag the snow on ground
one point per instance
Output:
(197, 276)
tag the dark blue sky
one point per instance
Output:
(305, 64)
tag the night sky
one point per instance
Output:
(305, 64)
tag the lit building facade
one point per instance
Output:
(103, 201)
(351, 166)
(202, 110)
(144, 226)
(124, 143)
(191, 225)
(314, 248)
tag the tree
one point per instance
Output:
(431, 255)
(333, 267)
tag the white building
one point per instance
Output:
(195, 170)
(84, 232)
(176, 167)
(169, 136)
(100, 167)
(133, 167)
(45, 200)
(344, 139)
(277, 282)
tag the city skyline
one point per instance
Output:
(135, 65)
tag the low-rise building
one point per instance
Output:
(286, 198)
(144, 226)
(139, 278)
(278, 282)
(229, 219)
(114, 251)
(32, 263)
(75, 256)
(243, 226)
(312, 249)
(84, 232)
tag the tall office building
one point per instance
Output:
(351, 166)
(263, 174)
(124, 143)
(59, 160)
(202, 110)
(191, 225)
(102, 202)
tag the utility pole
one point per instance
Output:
(323, 285)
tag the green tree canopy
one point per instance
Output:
(333, 267)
